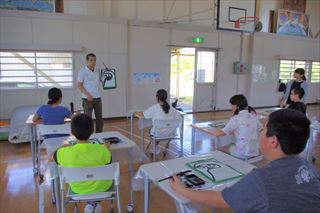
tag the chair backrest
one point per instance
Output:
(52, 144)
(77, 174)
(166, 128)
(254, 144)
(143, 123)
(43, 129)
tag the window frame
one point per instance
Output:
(307, 68)
(215, 65)
(311, 68)
(37, 76)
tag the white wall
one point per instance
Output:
(263, 11)
(195, 12)
(313, 9)
(106, 37)
(185, 11)
(149, 52)
(88, 7)
(267, 50)
(143, 47)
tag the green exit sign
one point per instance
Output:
(197, 40)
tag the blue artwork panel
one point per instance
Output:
(33, 5)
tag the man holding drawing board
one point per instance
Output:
(288, 183)
(88, 84)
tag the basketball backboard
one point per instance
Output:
(229, 11)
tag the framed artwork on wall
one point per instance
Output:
(292, 23)
(31, 5)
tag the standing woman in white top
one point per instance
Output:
(88, 84)
(161, 110)
(245, 126)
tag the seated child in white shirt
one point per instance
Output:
(245, 126)
(161, 110)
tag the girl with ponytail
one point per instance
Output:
(52, 113)
(161, 110)
(162, 100)
(299, 80)
(245, 126)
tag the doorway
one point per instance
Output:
(192, 78)
(182, 77)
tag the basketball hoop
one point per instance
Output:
(245, 20)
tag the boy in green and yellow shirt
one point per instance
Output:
(85, 154)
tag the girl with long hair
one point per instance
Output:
(161, 110)
(245, 126)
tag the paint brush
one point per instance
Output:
(178, 174)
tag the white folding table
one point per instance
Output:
(32, 127)
(161, 169)
(208, 128)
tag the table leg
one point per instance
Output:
(57, 193)
(313, 151)
(146, 194)
(309, 144)
(33, 147)
(142, 135)
(218, 140)
(193, 140)
(181, 136)
(131, 125)
(55, 185)
(41, 198)
(183, 208)
(130, 158)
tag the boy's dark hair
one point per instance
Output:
(298, 91)
(162, 96)
(291, 128)
(54, 94)
(82, 126)
(241, 102)
(90, 55)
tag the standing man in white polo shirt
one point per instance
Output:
(88, 84)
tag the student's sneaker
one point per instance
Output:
(89, 208)
(98, 208)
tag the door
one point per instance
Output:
(204, 83)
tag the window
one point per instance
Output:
(287, 68)
(205, 66)
(315, 72)
(35, 70)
